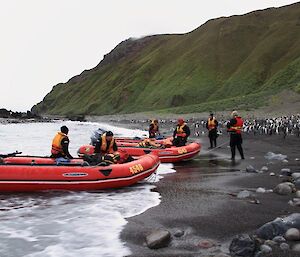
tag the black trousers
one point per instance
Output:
(236, 142)
(212, 134)
(179, 141)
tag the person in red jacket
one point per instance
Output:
(234, 127)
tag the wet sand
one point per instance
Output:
(200, 200)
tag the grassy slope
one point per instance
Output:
(227, 62)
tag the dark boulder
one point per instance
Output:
(279, 226)
(242, 246)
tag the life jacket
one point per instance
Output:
(56, 143)
(179, 129)
(211, 123)
(110, 158)
(144, 143)
(238, 126)
(104, 145)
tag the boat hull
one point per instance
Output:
(166, 155)
(17, 177)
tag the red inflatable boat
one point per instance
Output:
(19, 174)
(171, 154)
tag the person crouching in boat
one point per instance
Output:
(150, 143)
(60, 145)
(181, 133)
(106, 144)
(107, 159)
(115, 158)
(105, 152)
(154, 129)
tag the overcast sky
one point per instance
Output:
(45, 42)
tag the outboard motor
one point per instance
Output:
(97, 133)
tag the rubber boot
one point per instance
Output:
(239, 147)
(232, 152)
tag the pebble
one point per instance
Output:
(265, 248)
(297, 183)
(283, 189)
(285, 161)
(243, 194)
(252, 157)
(284, 246)
(206, 244)
(292, 234)
(279, 239)
(179, 233)
(260, 190)
(294, 202)
(258, 254)
(270, 243)
(296, 248)
(158, 239)
(251, 169)
(255, 201)
(296, 175)
(297, 159)
(242, 245)
(286, 172)
(264, 168)
(272, 174)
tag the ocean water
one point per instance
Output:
(63, 224)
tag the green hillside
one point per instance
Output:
(229, 62)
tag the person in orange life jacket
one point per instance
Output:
(181, 133)
(60, 144)
(212, 125)
(106, 144)
(234, 127)
(150, 143)
(153, 129)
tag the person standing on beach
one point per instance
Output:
(181, 133)
(153, 129)
(212, 125)
(60, 144)
(234, 127)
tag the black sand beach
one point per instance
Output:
(200, 198)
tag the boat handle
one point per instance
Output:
(106, 172)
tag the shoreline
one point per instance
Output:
(200, 200)
(200, 197)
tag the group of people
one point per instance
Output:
(105, 152)
(106, 149)
(180, 134)
(283, 126)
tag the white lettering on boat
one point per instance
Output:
(75, 174)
